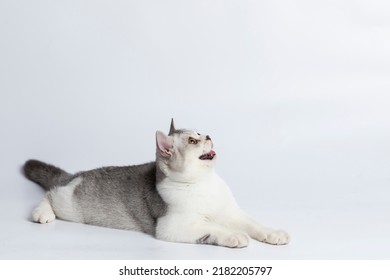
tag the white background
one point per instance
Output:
(295, 95)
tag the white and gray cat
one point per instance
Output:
(177, 198)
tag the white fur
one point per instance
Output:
(62, 201)
(200, 204)
(208, 207)
(43, 213)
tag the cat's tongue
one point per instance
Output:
(210, 155)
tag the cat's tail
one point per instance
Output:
(46, 175)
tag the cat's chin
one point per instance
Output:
(208, 156)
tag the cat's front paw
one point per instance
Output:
(237, 240)
(277, 237)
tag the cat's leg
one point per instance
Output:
(259, 232)
(44, 212)
(199, 231)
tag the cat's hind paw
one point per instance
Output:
(43, 213)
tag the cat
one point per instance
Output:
(177, 198)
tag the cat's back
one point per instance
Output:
(134, 176)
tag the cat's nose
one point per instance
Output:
(208, 137)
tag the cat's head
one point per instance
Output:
(184, 154)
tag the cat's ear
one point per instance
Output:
(172, 128)
(164, 144)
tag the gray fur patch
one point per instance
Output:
(203, 239)
(207, 239)
(121, 197)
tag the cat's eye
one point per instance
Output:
(192, 141)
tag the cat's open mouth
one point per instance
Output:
(208, 156)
